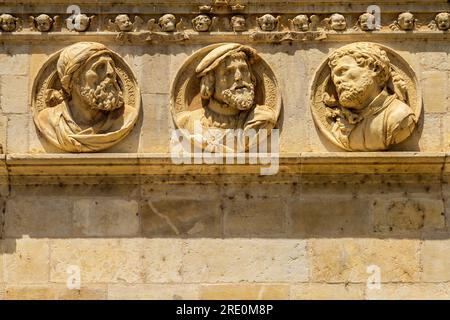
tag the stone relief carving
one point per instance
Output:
(224, 87)
(336, 22)
(122, 23)
(238, 23)
(365, 97)
(203, 23)
(79, 23)
(440, 22)
(366, 22)
(43, 22)
(85, 98)
(299, 23)
(268, 22)
(9, 23)
(167, 23)
(405, 22)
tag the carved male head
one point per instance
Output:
(87, 71)
(301, 22)
(367, 21)
(359, 72)
(7, 22)
(167, 22)
(123, 22)
(201, 23)
(238, 23)
(226, 76)
(338, 22)
(443, 20)
(406, 21)
(44, 22)
(267, 22)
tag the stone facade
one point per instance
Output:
(129, 223)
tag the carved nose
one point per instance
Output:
(109, 70)
(238, 75)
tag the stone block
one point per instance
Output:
(106, 217)
(252, 260)
(14, 60)
(16, 134)
(162, 260)
(244, 292)
(14, 94)
(178, 217)
(434, 88)
(403, 215)
(327, 291)
(26, 261)
(436, 261)
(328, 216)
(153, 292)
(33, 216)
(347, 260)
(416, 291)
(54, 292)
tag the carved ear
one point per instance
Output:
(180, 25)
(279, 26)
(153, 26)
(112, 26)
(32, 22)
(138, 22)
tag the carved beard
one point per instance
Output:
(354, 94)
(107, 96)
(240, 98)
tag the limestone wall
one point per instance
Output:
(136, 225)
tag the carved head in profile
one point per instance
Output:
(366, 22)
(226, 76)
(8, 22)
(359, 74)
(201, 23)
(167, 22)
(443, 21)
(406, 21)
(44, 22)
(81, 105)
(267, 22)
(338, 22)
(238, 23)
(301, 23)
(123, 23)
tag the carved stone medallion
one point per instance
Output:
(85, 98)
(365, 97)
(224, 87)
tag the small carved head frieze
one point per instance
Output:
(167, 23)
(43, 22)
(123, 23)
(238, 23)
(337, 22)
(300, 23)
(442, 21)
(367, 22)
(405, 22)
(8, 22)
(268, 22)
(79, 23)
(201, 23)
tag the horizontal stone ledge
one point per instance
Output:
(145, 37)
(124, 164)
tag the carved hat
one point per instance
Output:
(217, 55)
(74, 57)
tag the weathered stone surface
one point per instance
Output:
(16, 140)
(26, 261)
(327, 216)
(417, 291)
(99, 260)
(14, 60)
(435, 260)
(106, 217)
(54, 292)
(14, 94)
(38, 217)
(434, 86)
(327, 291)
(403, 215)
(244, 292)
(153, 292)
(177, 217)
(162, 260)
(249, 218)
(253, 260)
(347, 260)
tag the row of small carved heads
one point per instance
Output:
(238, 23)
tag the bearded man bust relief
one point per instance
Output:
(230, 96)
(368, 100)
(92, 110)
